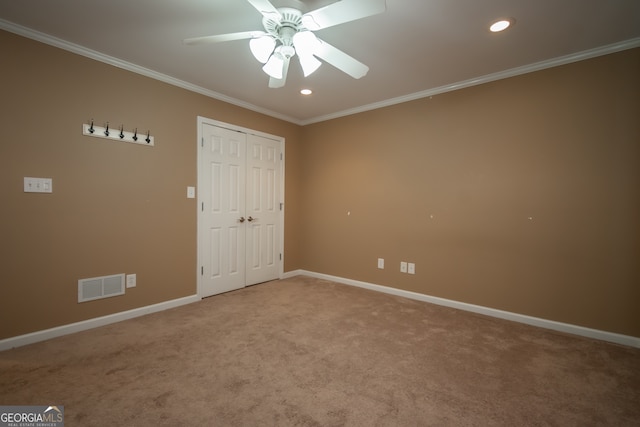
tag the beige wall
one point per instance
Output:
(115, 208)
(560, 146)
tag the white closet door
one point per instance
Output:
(239, 224)
(263, 209)
(222, 229)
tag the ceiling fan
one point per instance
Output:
(288, 31)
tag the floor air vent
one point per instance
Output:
(100, 287)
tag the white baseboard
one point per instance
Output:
(46, 334)
(521, 318)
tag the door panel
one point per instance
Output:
(223, 166)
(263, 195)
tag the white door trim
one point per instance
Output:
(200, 122)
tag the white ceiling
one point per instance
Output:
(416, 48)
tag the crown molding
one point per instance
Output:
(92, 54)
(550, 63)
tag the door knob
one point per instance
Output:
(241, 219)
(252, 219)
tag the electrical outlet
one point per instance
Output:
(411, 267)
(403, 267)
(381, 263)
(131, 280)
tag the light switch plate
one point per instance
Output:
(191, 192)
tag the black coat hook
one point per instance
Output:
(135, 135)
(106, 131)
(147, 138)
(91, 129)
(121, 132)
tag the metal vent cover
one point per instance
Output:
(100, 287)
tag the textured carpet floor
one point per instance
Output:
(308, 352)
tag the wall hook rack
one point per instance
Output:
(121, 135)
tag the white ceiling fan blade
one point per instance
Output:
(341, 12)
(224, 37)
(341, 60)
(276, 83)
(266, 9)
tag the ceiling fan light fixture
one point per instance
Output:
(309, 64)
(306, 43)
(262, 47)
(275, 65)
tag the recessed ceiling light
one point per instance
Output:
(306, 91)
(501, 25)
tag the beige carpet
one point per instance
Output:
(307, 352)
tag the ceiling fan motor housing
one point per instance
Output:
(285, 28)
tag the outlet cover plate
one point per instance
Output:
(131, 280)
(403, 267)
